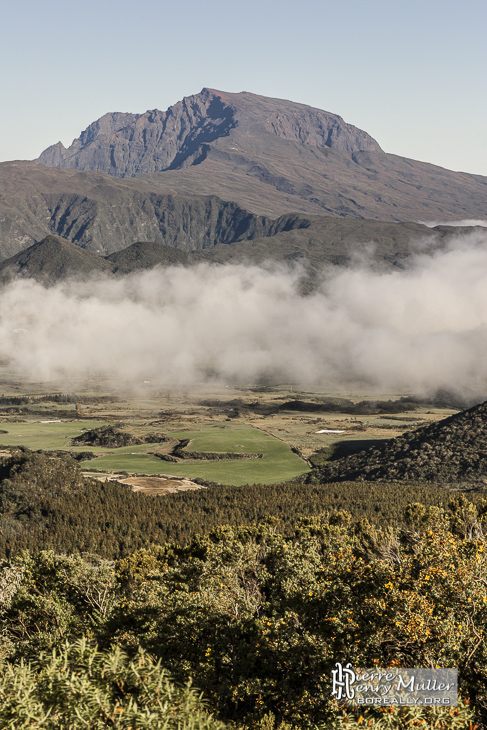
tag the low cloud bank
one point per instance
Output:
(420, 330)
(459, 224)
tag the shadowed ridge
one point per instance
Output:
(451, 452)
(146, 255)
(51, 260)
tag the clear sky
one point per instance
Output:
(412, 73)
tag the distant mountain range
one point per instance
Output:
(217, 169)
(313, 242)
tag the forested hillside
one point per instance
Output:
(256, 612)
(46, 503)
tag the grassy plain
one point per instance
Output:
(279, 463)
(46, 436)
(216, 418)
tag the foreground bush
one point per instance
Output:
(258, 617)
(78, 686)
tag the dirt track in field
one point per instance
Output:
(158, 485)
(152, 485)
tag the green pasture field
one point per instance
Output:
(279, 462)
(261, 429)
(46, 436)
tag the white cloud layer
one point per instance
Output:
(419, 330)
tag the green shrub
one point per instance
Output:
(78, 686)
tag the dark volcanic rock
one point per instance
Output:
(450, 452)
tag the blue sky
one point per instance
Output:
(412, 74)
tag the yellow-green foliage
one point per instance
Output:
(258, 618)
(81, 688)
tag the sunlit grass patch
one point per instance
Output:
(47, 436)
(279, 463)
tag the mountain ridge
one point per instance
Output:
(312, 243)
(270, 156)
(106, 214)
(51, 260)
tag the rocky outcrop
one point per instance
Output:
(114, 438)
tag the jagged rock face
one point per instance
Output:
(127, 145)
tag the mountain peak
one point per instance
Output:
(270, 156)
(124, 144)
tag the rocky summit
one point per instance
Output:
(132, 144)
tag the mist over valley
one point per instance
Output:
(116, 264)
(414, 330)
